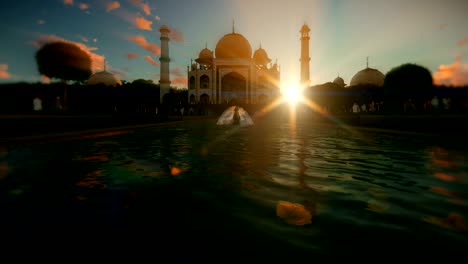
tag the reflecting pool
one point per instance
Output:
(201, 188)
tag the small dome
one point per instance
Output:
(261, 57)
(339, 81)
(368, 76)
(205, 56)
(105, 78)
(304, 29)
(164, 28)
(275, 67)
(233, 45)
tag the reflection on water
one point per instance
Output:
(235, 115)
(294, 185)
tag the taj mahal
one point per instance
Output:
(232, 73)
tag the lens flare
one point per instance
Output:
(292, 94)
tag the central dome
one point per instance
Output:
(233, 45)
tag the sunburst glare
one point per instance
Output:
(292, 93)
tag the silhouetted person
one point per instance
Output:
(37, 104)
(356, 110)
(58, 104)
(435, 104)
(236, 117)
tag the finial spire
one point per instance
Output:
(104, 64)
(367, 62)
(206, 45)
(233, 31)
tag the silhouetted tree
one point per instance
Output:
(407, 81)
(64, 61)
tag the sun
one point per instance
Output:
(292, 94)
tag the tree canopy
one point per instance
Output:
(408, 79)
(65, 61)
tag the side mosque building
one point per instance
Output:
(104, 78)
(367, 76)
(233, 74)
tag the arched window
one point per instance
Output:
(262, 82)
(204, 82)
(204, 99)
(192, 83)
(233, 87)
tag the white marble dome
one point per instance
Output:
(104, 77)
(339, 81)
(368, 76)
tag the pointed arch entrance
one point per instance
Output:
(234, 87)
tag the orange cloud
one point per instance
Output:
(462, 42)
(177, 72)
(4, 74)
(146, 9)
(455, 74)
(157, 18)
(176, 35)
(142, 23)
(68, 2)
(179, 81)
(141, 41)
(45, 79)
(97, 61)
(84, 39)
(179, 77)
(144, 6)
(443, 26)
(131, 55)
(112, 5)
(151, 60)
(83, 6)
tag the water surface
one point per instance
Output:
(198, 187)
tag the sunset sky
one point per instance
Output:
(432, 33)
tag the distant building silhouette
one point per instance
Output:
(339, 81)
(104, 78)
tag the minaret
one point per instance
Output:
(305, 59)
(164, 79)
